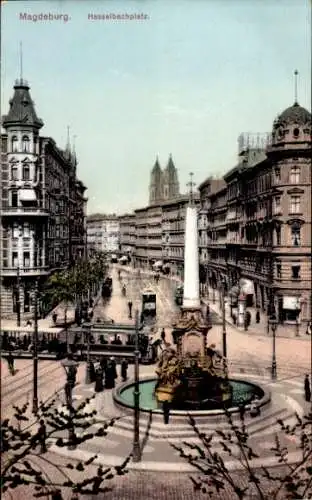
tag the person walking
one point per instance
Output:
(10, 360)
(166, 410)
(42, 437)
(130, 308)
(308, 330)
(123, 369)
(258, 316)
(307, 389)
(163, 335)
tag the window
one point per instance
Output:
(279, 270)
(14, 198)
(296, 132)
(14, 173)
(14, 259)
(26, 259)
(277, 173)
(277, 204)
(295, 175)
(14, 144)
(295, 204)
(26, 172)
(26, 230)
(295, 235)
(278, 236)
(295, 272)
(26, 300)
(25, 144)
(15, 230)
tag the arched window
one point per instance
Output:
(26, 172)
(14, 144)
(25, 144)
(295, 234)
(295, 175)
(14, 173)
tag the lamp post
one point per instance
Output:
(88, 378)
(70, 367)
(273, 324)
(136, 452)
(35, 352)
(223, 326)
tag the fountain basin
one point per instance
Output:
(243, 392)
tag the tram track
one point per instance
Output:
(45, 371)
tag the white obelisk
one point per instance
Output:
(191, 298)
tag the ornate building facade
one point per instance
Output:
(256, 225)
(164, 184)
(127, 234)
(43, 205)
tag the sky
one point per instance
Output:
(186, 80)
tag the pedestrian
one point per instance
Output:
(123, 369)
(234, 318)
(130, 308)
(98, 379)
(42, 436)
(257, 316)
(308, 330)
(166, 410)
(163, 335)
(248, 318)
(54, 317)
(307, 388)
(10, 360)
(113, 365)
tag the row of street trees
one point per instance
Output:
(76, 286)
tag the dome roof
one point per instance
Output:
(295, 114)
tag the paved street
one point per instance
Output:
(247, 351)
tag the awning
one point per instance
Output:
(27, 195)
(159, 263)
(292, 303)
(247, 286)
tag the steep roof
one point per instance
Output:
(22, 109)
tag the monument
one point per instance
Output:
(190, 373)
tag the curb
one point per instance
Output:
(153, 466)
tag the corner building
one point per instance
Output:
(256, 225)
(43, 205)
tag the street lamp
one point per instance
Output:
(35, 351)
(70, 367)
(223, 325)
(88, 379)
(136, 452)
(273, 323)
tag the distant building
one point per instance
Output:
(127, 230)
(103, 232)
(43, 205)
(164, 184)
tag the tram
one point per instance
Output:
(149, 304)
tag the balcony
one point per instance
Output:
(25, 211)
(26, 271)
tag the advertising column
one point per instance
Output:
(241, 309)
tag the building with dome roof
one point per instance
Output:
(43, 205)
(257, 231)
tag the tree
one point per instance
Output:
(24, 462)
(290, 481)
